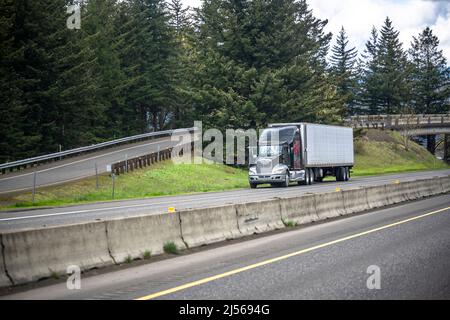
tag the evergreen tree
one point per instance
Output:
(148, 58)
(393, 70)
(80, 112)
(343, 68)
(430, 75)
(181, 22)
(262, 61)
(386, 72)
(13, 143)
(33, 35)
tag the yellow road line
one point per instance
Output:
(266, 262)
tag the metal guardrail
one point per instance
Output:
(145, 160)
(77, 151)
(398, 120)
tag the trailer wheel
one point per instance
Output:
(311, 176)
(319, 177)
(346, 174)
(340, 174)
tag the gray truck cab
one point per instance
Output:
(278, 159)
(301, 152)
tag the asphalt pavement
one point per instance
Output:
(400, 252)
(47, 217)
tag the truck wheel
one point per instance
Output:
(253, 185)
(312, 176)
(348, 173)
(285, 184)
(305, 182)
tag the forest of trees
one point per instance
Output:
(140, 65)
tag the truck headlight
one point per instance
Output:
(252, 170)
(278, 169)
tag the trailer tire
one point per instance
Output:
(319, 177)
(312, 176)
(340, 174)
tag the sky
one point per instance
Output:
(358, 17)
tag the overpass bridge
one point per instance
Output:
(429, 125)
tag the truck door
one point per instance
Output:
(296, 150)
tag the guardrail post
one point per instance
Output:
(34, 187)
(446, 148)
(96, 175)
(113, 176)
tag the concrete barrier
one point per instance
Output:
(445, 183)
(376, 197)
(30, 255)
(428, 187)
(132, 237)
(34, 254)
(257, 217)
(300, 210)
(4, 280)
(411, 190)
(209, 225)
(329, 205)
(396, 193)
(355, 200)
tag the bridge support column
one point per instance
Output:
(431, 143)
(447, 148)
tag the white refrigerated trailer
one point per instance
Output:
(302, 152)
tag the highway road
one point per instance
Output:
(18, 220)
(408, 246)
(78, 167)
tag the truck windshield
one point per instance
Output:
(269, 151)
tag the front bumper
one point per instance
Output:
(266, 178)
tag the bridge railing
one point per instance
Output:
(397, 120)
(20, 164)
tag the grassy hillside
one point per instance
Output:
(376, 152)
(164, 178)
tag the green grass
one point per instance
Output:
(55, 275)
(147, 254)
(382, 152)
(164, 178)
(376, 152)
(171, 248)
(289, 223)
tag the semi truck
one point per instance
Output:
(301, 152)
